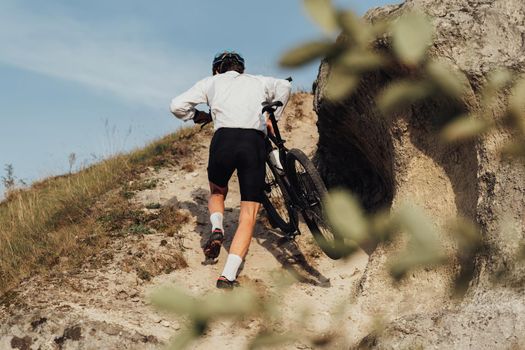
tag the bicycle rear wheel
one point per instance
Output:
(276, 201)
(311, 190)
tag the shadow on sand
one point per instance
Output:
(285, 251)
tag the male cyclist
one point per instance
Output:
(238, 144)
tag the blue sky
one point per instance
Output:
(96, 77)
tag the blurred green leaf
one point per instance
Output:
(183, 339)
(464, 128)
(356, 31)
(517, 106)
(514, 149)
(423, 248)
(521, 253)
(496, 81)
(346, 216)
(419, 226)
(402, 94)
(380, 28)
(270, 339)
(341, 83)
(449, 80)
(239, 302)
(469, 241)
(467, 234)
(323, 14)
(306, 53)
(361, 61)
(174, 300)
(283, 280)
(517, 97)
(379, 324)
(382, 227)
(499, 79)
(411, 260)
(412, 34)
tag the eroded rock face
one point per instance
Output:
(391, 161)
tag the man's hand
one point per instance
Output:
(269, 127)
(201, 117)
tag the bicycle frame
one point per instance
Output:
(296, 203)
(303, 190)
(277, 139)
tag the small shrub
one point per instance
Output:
(143, 274)
(139, 229)
(188, 167)
(143, 185)
(153, 206)
(9, 180)
(126, 194)
(170, 220)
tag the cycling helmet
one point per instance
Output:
(223, 56)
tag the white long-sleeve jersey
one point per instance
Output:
(234, 99)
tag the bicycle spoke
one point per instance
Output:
(313, 204)
(309, 191)
(324, 229)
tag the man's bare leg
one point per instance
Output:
(243, 235)
(217, 197)
(216, 207)
(241, 240)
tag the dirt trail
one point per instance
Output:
(108, 308)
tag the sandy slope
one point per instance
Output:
(107, 307)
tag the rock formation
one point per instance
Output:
(390, 161)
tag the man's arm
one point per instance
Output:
(277, 90)
(183, 106)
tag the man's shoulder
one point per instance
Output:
(204, 83)
(257, 76)
(205, 80)
(264, 79)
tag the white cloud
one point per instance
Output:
(109, 57)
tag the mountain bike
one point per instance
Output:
(294, 186)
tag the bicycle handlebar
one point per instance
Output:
(271, 107)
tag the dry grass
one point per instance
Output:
(148, 262)
(169, 220)
(188, 167)
(296, 105)
(64, 216)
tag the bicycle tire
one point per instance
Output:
(311, 190)
(276, 202)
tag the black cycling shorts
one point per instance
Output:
(243, 150)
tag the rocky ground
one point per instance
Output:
(105, 304)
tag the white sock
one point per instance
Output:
(216, 221)
(231, 267)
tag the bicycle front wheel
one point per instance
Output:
(311, 190)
